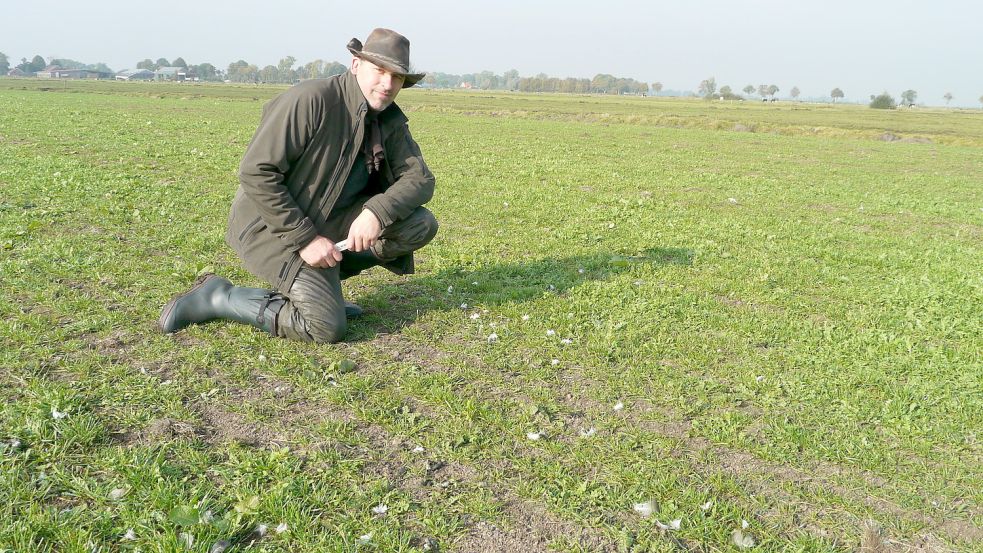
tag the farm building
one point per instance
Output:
(56, 72)
(18, 72)
(172, 74)
(50, 72)
(135, 75)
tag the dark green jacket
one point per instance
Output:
(296, 166)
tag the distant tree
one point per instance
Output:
(836, 93)
(772, 90)
(749, 89)
(162, 62)
(510, 79)
(657, 87)
(285, 71)
(727, 93)
(4, 64)
(234, 66)
(102, 67)
(708, 87)
(268, 74)
(334, 68)
(147, 64)
(241, 72)
(206, 71)
(179, 62)
(311, 70)
(794, 93)
(37, 64)
(948, 97)
(66, 63)
(981, 100)
(601, 83)
(883, 101)
(908, 97)
(487, 80)
(762, 90)
(576, 86)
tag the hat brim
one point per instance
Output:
(409, 79)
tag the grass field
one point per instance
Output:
(645, 325)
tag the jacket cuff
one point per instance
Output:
(301, 236)
(375, 205)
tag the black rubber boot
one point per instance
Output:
(213, 297)
(352, 310)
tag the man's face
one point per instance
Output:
(379, 86)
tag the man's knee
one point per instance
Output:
(423, 227)
(312, 319)
(328, 328)
(431, 225)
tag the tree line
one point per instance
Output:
(286, 71)
(37, 63)
(510, 80)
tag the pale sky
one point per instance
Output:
(861, 46)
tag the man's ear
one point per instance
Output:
(355, 64)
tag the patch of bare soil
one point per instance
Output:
(160, 430)
(221, 426)
(486, 537)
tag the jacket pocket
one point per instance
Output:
(249, 227)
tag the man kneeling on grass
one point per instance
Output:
(332, 165)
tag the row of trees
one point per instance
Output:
(601, 84)
(708, 89)
(242, 71)
(510, 80)
(908, 97)
(286, 72)
(37, 63)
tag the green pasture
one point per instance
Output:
(646, 324)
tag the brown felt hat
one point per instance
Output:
(389, 50)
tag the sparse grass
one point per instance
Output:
(790, 320)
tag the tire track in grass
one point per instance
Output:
(762, 477)
(527, 526)
(816, 477)
(386, 456)
(213, 423)
(513, 473)
(872, 484)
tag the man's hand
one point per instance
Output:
(364, 232)
(320, 253)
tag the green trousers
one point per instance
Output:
(314, 310)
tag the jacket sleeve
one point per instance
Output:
(287, 125)
(413, 183)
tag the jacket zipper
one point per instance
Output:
(346, 167)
